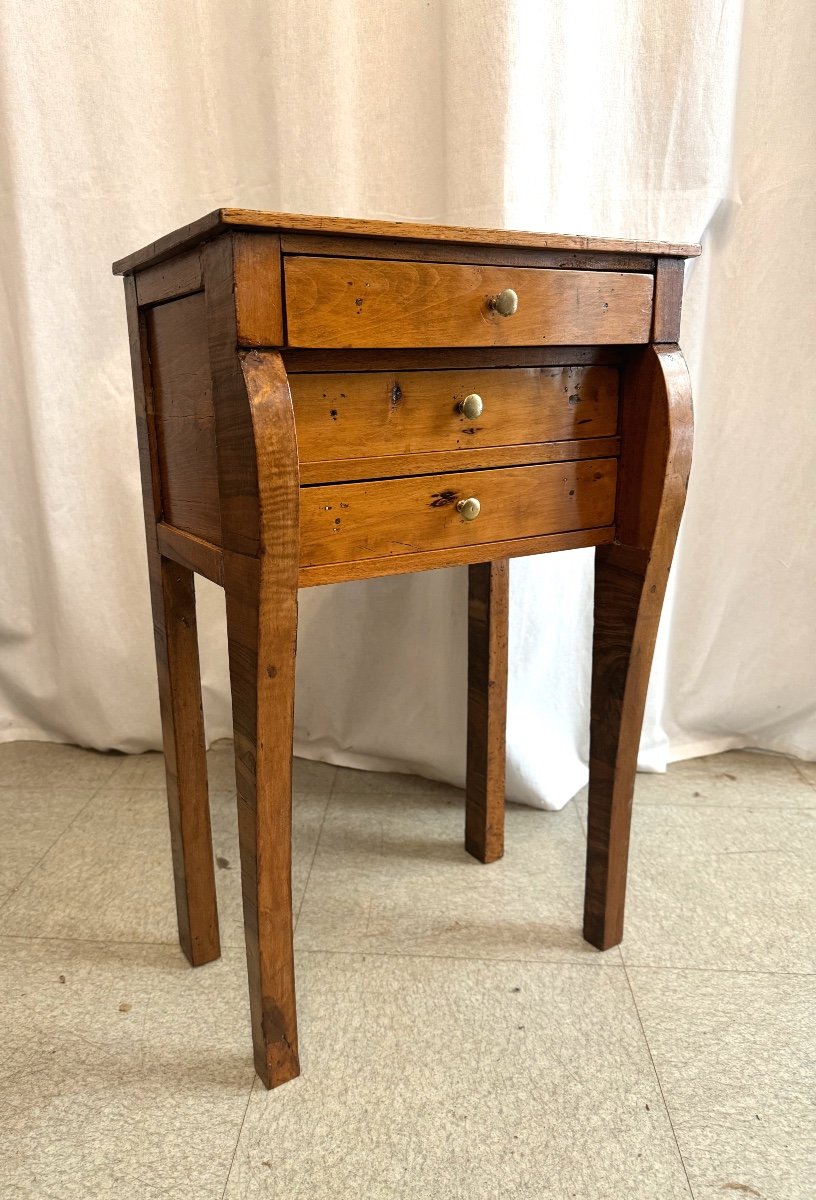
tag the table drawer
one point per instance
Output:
(410, 412)
(351, 521)
(347, 302)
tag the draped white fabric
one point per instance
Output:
(683, 120)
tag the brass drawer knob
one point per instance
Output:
(471, 407)
(505, 304)
(469, 509)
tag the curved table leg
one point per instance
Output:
(630, 584)
(261, 598)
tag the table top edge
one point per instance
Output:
(222, 219)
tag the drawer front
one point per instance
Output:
(347, 302)
(411, 412)
(351, 521)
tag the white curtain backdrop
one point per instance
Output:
(685, 120)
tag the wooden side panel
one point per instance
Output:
(237, 467)
(407, 412)
(168, 280)
(344, 522)
(172, 597)
(184, 416)
(333, 302)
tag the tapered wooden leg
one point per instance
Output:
(186, 763)
(488, 600)
(174, 626)
(630, 583)
(261, 596)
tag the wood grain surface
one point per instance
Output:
(488, 623)
(174, 632)
(459, 556)
(223, 219)
(184, 416)
(630, 584)
(391, 466)
(362, 302)
(407, 412)
(261, 596)
(344, 522)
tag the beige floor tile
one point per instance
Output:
(147, 771)
(722, 888)
(738, 779)
(391, 875)
(736, 1060)
(380, 783)
(46, 764)
(110, 877)
(31, 820)
(441, 1078)
(125, 1073)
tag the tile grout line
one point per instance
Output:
(238, 1139)
(657, 1079)
(587, 961)
(58, 838)
(329, 799)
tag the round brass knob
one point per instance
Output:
(471, 407)
(506, 303)
(469, 509)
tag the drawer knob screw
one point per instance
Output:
(469, 509)
(471, 407)
(505, 304)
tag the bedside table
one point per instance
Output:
(320, 400)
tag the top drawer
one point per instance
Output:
(348, 302)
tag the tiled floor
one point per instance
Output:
(459, 1039)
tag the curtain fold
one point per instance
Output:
(685, 120)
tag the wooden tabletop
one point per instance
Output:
(243, 218)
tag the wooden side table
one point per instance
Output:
(321, 400)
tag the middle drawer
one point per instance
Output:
(370, 414)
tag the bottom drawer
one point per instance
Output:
(344, 522)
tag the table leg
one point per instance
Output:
(186, 764)
(630, 583)
(172, 596)
(488, 600)
(261, 598)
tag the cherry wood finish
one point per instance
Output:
(393, 466)
(347, 522)
(584, 441)
(630, 583)
(174, 630)
(406, 412)
(488, 617)
(455, 556)
(261, 633)
(332, 302)
(224, 220)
